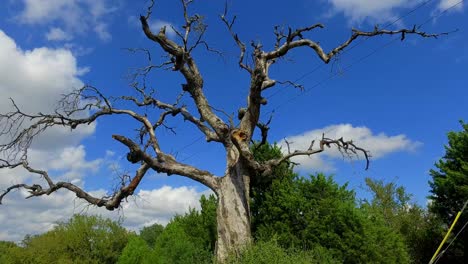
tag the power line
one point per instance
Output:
(345, 68)
(365, 56)
(352, 47)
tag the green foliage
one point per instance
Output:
(6, 249)
(151, 233)
(294, 220)
(200, 226)
(208, 215)
(307, 213)
(271, 253)
(317, 212)
(136, 251)
(188, 238)
(176, 245)
(83, 239)
(449, 188)
(417, 226)
(262, 188)
(390, 200)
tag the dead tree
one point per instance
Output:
(232, 188)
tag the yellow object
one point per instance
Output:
(446, 236)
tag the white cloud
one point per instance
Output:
(370, 10)
(379, 145)
(77, 16)
(454, 5)
(68, 164)
(57, 34)
(36, 79)
(160, 205)
(73, 159)
(45, 74)
(36, 215)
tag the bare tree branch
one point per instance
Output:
(167, 164)
(292, 41)
(293, 84)
(260, 79)
(240, 44)
(280, 35)
(345, 147)
(264, 128)
(149, 10)
(184, 63)
(110, 203)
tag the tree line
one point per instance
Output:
(294, 219)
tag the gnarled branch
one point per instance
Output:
(293, 42)
(110, 202)
(167, 164)
(345, 147)
(185, 64)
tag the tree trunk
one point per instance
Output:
(233, 214)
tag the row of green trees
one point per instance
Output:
(295, 219)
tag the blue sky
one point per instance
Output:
(397, 99)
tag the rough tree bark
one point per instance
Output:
(232, 188)
(233, 214)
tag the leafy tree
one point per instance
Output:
(417, 226)
(390, 200)
(177, 244)
(136, 251)
(316, 212)
(263, 187)
(87, 104)
(150, 233)
(188, 238)
(208, 219)
(449, 188)
(83, 239)
(200, 225)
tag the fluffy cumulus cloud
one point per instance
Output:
(20, 217)
(76, 16)
(160, 205)
(67, 164)
(380, 11)
(36, 79)
(379, 145)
